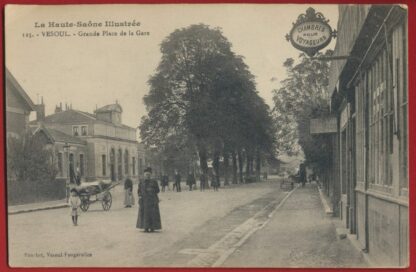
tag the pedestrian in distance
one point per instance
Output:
(190, 181)
(74, 204)
(214, 181)
(302, 174)
(149, 213)
(202, 181)
(177, 183)
(174, 185)
(128, 193)
(164, 182)
(78, 177)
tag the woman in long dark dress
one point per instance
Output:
(149, 214)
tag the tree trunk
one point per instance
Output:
(240, 165)
(247, 164)
(234, 155)
(203, 159)
(258, 165)
(251, 164)
(216, 166)
(226, 167)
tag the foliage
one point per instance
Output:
(203, 97)
(28, 160)
(303, 95)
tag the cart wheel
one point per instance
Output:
(85, 203)
(106, 202)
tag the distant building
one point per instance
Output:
(69, 152)
(18, 107)
(100, 146)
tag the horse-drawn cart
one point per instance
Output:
(98, 189)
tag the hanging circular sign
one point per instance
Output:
(311, 32)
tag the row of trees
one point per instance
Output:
(303, 95)
(203, 101)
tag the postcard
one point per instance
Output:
(207, 135)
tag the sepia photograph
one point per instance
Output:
(207, 135)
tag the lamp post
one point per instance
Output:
(66, 150)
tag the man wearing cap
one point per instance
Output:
(149, 214)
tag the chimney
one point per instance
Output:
(40, 111)
(58, 108)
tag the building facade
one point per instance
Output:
(18, 107)
(105, 148)
(369, 174)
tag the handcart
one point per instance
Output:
(90, 192)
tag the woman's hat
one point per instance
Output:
(148, 169)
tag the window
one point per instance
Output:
(126, 162)
(140, 165)
(133, 159)
(84, 130)
(380, 116)
(388, 105)
(104, 165)
(75, 131)
(120, 164)
(400, 82)
(60, 165)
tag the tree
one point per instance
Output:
(28, 160)
(203, 95)
(303, 95)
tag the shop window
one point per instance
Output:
(400, 70)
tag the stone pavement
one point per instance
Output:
(299, 234)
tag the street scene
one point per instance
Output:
(170, 136)
(197, 232)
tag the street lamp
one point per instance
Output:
(66, 150)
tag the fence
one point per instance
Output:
(23, 192)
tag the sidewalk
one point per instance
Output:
(48, 205)
(31, 207)
(299, 234)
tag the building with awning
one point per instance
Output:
(369, 169)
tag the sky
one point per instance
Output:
(91, 71)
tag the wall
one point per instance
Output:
(388, 232)
(15, 123)
(350, 22)
(98, 147)
(29, 192)
(115, 132)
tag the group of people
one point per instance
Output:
(190, 182)
(149, 214)
(307, 174)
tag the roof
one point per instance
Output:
(112, 107)
(59, 136)
(75, 116)
(12, 81)
(68, 116)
